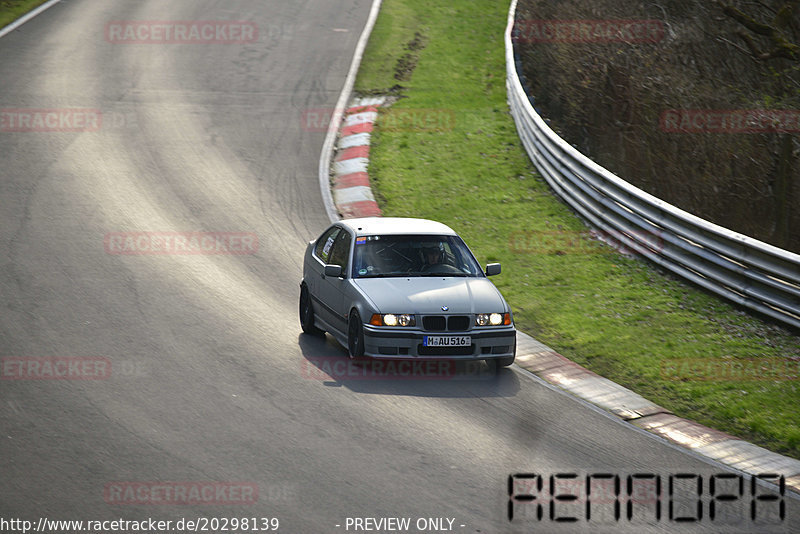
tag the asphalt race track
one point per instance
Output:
(198, 376)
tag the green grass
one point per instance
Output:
(11, 10)
(611, 313)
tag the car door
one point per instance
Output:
(332, 288)
(316, 266)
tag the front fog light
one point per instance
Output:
(496, 319)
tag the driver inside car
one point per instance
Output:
(432, 255)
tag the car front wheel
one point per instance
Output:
(307, 313)
(355, 336)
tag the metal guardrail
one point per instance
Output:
(744, 270)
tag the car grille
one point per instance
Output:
(434, 322)
(442, 323)
(457, 323)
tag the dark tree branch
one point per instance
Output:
(781, 46)
(747, 21)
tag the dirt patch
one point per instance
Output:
(408, 61)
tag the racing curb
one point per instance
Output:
(352, 194)
(352, 198)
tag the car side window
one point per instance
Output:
(341, 250)
(325, 243)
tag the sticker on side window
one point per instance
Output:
(327, 248)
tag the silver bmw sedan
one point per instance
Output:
(400, 288)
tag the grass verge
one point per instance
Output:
(11, 10)
(448, 150)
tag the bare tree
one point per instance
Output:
(774, 41)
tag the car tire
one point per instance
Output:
(503, 362)
(307, 313)
(355, 336)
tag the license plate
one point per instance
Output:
(446, 341)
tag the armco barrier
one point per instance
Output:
(742, 269)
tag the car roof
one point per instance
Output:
(395, 225)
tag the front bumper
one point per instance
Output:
(399, 343)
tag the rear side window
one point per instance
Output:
(325, 243)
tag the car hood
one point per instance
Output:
(423, 295)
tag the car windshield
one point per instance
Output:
(378, 256)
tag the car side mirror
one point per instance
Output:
(334, 271)
(492, 269)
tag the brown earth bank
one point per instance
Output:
(695, 101)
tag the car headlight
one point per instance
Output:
(393, 319)
(492, 319)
